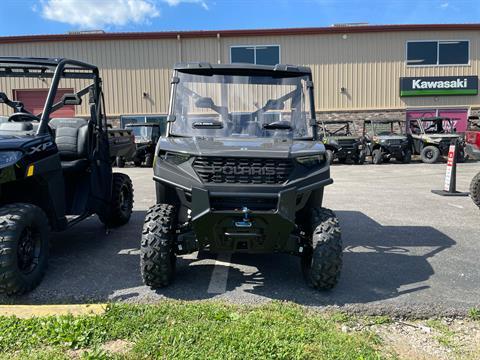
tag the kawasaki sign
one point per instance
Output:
(439, 85)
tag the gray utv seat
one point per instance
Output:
(71, 135)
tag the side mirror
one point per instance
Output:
(71, 99)
(205, 103)
(3, 97)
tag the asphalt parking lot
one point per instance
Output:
(407, 251)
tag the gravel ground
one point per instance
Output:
(408, 252)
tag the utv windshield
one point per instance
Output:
(385, 128)
(241, 106)
(437, 126)
(338, 128)
(144, 133)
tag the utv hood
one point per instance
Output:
(246, 147)
(16, 142)
(441, 137)
(393, 137)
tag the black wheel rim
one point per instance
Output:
(29, 248)
(125, 200)
(429, 154)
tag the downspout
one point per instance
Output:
(179, 47)
(219, 49)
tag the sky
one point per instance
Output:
(24, 17)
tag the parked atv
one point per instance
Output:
(146, 138)
(472, 138)
(53, 172)
(342, 142)
(241, 176)
(386, 139)
(431, 138)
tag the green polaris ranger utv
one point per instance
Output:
(342, 142)
(387, 139)
(241, 169)
(54, 172)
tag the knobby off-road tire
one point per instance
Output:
(329, 156)
(360, 160)
(377, 157)
(24, 233)
(149, 160)
(475, 189)
(430, 154)
(120, 162)
(121, 203)
(157, 253)
(406, 157)
(322, 260)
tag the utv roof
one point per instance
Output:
(240, 68)
(142, 124)
(383, 120)
(433, 118)
(337, 121)
(33, 67)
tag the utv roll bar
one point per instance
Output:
(56, 69)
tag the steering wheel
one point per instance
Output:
(22, 117)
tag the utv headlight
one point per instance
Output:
(311, 160)
(8, 158)
(175, 158)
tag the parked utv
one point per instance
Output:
(53, 172)
(241, 169)
(386, 139)
(342, 142)
(431, 138)
(146, 138)
(472, 138)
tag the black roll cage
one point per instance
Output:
(56, 69)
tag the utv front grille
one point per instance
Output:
(242, 170)
(346, 143)
(395, 141)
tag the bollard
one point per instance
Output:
(450, 185)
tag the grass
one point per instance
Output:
(178, 330)
(446, 336)
(474, 313)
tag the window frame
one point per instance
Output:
(255, 46)
(438, 53)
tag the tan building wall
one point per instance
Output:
(369, 65)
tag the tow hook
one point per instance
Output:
(245, 223)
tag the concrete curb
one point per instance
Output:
(29, 311)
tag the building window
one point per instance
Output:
(448, 52)
(255, 54)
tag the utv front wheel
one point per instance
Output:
(23, 247)
(377, 157)
(361, 158)
(121, 203)
(149, 160)
(406, 157)
(157, 255)
(475, 190)
(120, 162)
(430, 154)
(322, 260)
(329, 155)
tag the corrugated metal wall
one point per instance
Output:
(368, 65)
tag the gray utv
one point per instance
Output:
(342, 142)
(241, 170)
(432, 136)
(387, 139)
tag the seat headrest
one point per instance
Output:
(67, 122)
(16, 126)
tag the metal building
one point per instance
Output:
(359, 71)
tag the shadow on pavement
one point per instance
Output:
(86, 265)
(378, 261)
